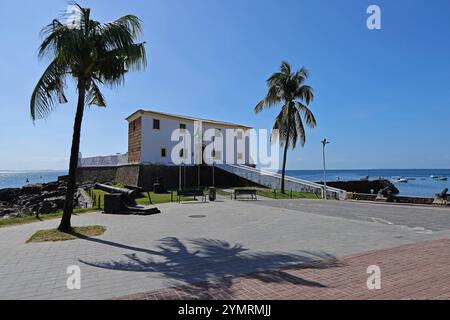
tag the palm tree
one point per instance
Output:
(93, 54)
(289, 88)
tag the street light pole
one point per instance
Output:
(324, 143)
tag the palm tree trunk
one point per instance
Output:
(283, 173)
(71, 183)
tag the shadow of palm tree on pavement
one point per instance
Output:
(208, 267)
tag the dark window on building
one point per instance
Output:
(182, 126)
(133, 125)
(156, 124)
(163, 153)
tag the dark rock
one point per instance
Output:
(32, 189)
(8, 195)
(47, 207)
(367, 187)
(34, 199)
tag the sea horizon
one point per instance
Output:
(420, 183)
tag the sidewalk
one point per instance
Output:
(417, 271)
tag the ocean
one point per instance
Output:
(17, 179)
(419, 184)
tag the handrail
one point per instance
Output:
(277, 175)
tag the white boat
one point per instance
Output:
(402, 180)
(441, 178)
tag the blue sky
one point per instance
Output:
(382, 97)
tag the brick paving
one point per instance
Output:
(416, 271)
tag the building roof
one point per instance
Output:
(141, 112)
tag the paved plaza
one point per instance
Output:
(194, 243)
(415, 271)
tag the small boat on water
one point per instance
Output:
(366, 178)
(441, 178)
(401, 180)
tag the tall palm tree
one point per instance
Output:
(289, 88)
(93, 54)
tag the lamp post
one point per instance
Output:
(324, 143)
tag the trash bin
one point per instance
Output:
(212, 194)
(157, 188)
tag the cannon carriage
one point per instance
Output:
(123, 201)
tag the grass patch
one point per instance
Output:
(32, 219)
(276, 194)
(99, 195)
(160, 198)
(54, 235)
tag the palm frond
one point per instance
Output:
(134, 56)
(95, 97)
(132, 23)
(51, 33)
(299, 129)
(48, 91)
(286, 68)
(307, 114)
(301, 75)
(272, 98)
(121, 33)
(305, 93)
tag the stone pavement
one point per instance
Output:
(417, 271)
(193, 243)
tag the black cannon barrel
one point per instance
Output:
(132, 194)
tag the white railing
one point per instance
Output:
(273, 180)
(104, 161)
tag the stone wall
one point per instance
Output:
(96, 174)
(145, 176)
(395, 199)
(128, 175)
(135, 141)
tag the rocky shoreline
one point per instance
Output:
(37, 199)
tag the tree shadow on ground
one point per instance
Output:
(208, 265)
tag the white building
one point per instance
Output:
(155, 137)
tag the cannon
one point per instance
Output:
(443, 194)
(442, 198)
(123, 201)
(129, 193)
(385, 194)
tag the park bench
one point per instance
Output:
(191, 193)
(244, 192)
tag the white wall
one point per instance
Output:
(154, 140)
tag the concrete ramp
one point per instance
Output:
(273, 180)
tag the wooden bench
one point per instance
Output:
(244, 192)
(191, 193)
